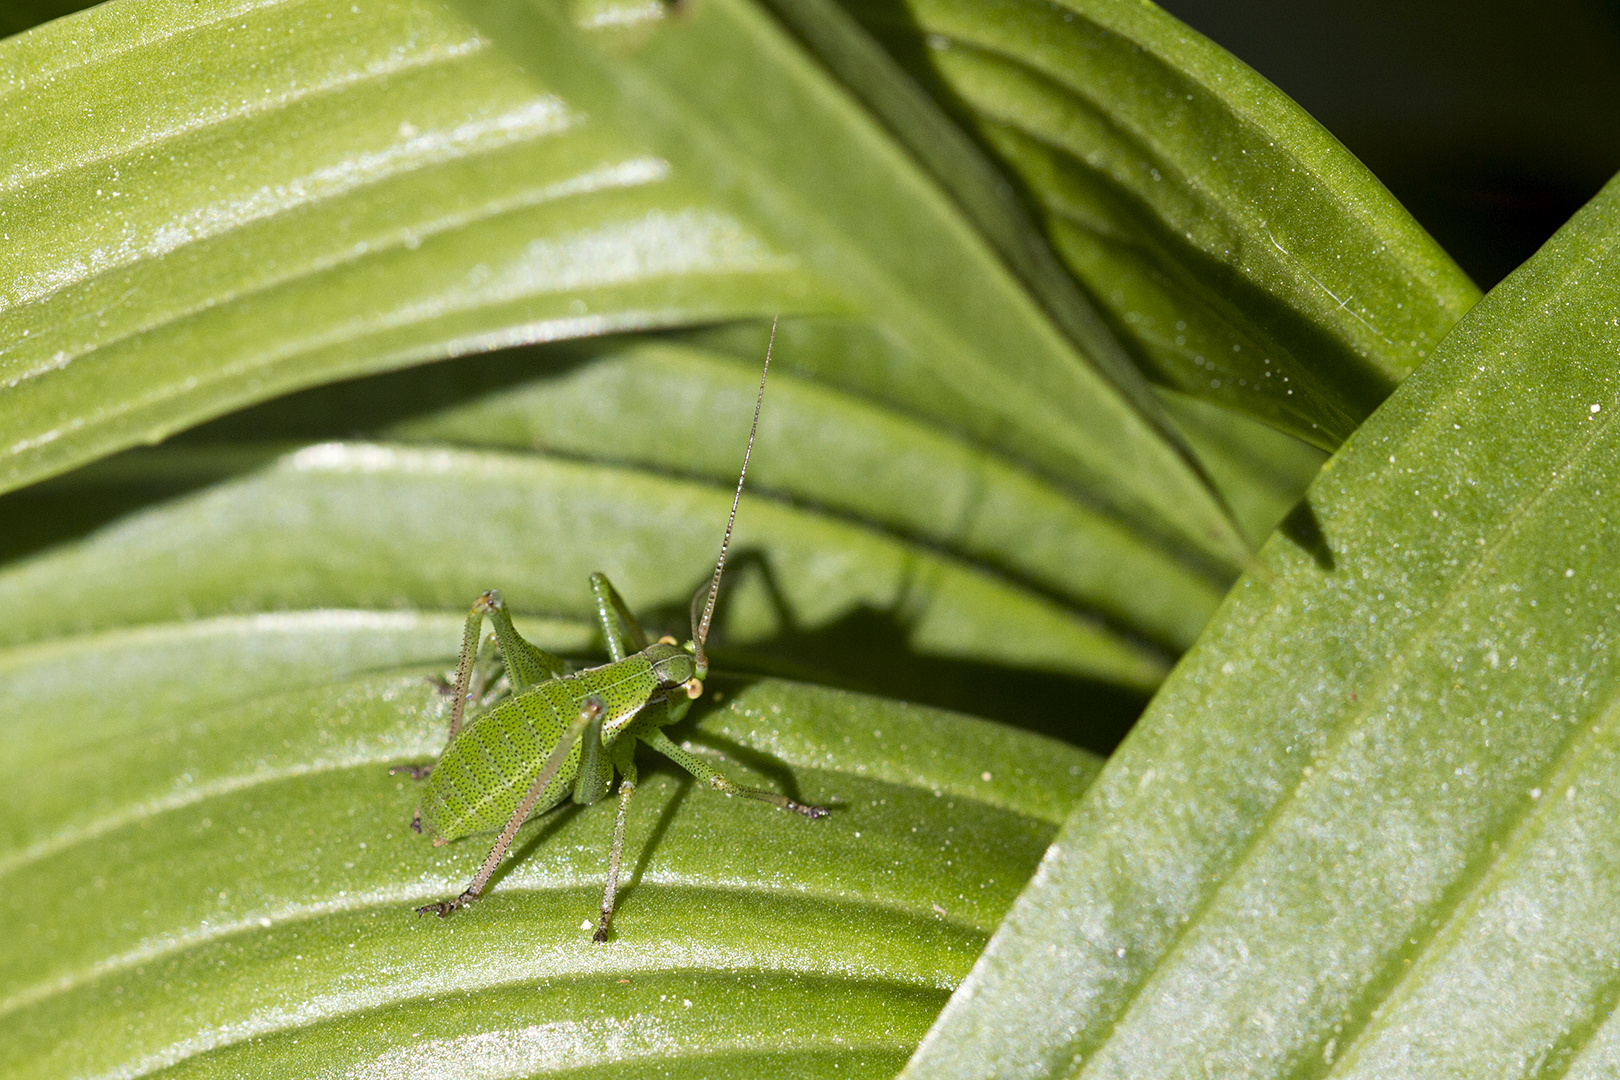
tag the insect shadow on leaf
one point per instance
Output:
(1302, 527)
(869, 649)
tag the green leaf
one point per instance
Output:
(1261, 471)
(210, 870)
(1368, 827)
(401, 155)
(427, 183)
(968, 495)
(1242, 254)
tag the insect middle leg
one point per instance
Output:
(662, 743)
(624, 755)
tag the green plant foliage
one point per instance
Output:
(986, 479)
(667, 402)
(1368, 828)
(425, 184)
(215, 873)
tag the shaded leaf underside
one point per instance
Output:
(1242, 255)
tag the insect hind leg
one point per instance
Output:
(590, 712)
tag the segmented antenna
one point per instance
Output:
(700, 628)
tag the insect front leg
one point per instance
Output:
(591, 712)
(662, 743)
(619, 628)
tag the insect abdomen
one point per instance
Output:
(490, 764)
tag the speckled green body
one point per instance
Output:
(561, 734)
(490, 764)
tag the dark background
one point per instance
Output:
(1492, 122)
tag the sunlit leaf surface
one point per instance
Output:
(1369, 827)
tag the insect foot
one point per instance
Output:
(602, 923)
(445, 908)
(811, 812)
(415, 772)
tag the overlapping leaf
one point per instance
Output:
(389, 526)
(216, 876)
(381, 185)
(368, 188)
(1242, 253)
(1368, 829)
(678, 407)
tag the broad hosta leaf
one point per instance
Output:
(1241, 252)
(1368, 829)
(384, 525)
(210, 872)
(335, 188)
(328, 188)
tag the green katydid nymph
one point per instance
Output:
(562, 735)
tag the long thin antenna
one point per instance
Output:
(700, 629)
